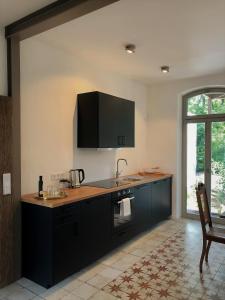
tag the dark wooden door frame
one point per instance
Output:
(55, 14)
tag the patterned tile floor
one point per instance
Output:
(160, 264)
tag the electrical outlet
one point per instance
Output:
(6, 184)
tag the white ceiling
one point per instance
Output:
(188, 35)
(12, 10)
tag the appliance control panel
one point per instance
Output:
(122, 193)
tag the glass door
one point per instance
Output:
(195, 162)
(204, 149)
(218, 167)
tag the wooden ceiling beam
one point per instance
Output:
(50, 16)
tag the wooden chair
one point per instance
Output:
(209, 232)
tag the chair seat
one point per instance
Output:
(216, 234)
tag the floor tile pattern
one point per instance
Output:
(170, 271)
(159, 264)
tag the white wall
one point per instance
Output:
(50, 82)
(3, 73)
(164, 139)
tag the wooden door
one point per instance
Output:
(6, 213)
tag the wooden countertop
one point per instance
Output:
(85, 191)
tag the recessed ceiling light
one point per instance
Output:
(165, 69)
(130, 48)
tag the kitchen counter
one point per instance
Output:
(86, 192)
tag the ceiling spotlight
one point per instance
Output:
(130, 48)
(165, 69)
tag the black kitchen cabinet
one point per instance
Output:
(105, 121)
(59, 241)
(96, 227)
(161, 200)
(166, 205)
(142, 206)
(51, 242)
(37, 244)
(156, 202)
(67, 241)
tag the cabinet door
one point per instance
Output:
(108, 122)
(156, 207)
(126, 122)
(116, 122)
(142, 205)
(67, 242)
(97, 223)
(161, 200)
(166, 197)
(37, 244)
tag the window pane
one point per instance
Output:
(218, 168)
(198, 105)
(195, 161)
(218, 105)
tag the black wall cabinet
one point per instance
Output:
(105, 121)
(57, 242)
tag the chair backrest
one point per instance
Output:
(203, 206)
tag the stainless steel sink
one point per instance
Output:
(129, 179)
(132, 179)
(116, 182)
(120, 180)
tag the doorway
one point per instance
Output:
(204, 149)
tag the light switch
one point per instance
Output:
(7, 184)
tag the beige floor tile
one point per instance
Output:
(110, 273)
(54, 293)
(125, 262)
(85, 291)
(16, 292)
(72, 284)
(112, 258)
(70, 297)
(88, 273)
(21, 295)
(31, 286)
(99, 281)
(101, 295)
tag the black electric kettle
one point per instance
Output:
(77, 176)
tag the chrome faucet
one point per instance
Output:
(117, 168)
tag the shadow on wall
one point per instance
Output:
(98, 164)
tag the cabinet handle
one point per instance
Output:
(120, 140)
(122, 233)
(141, 187)
(131, 198)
